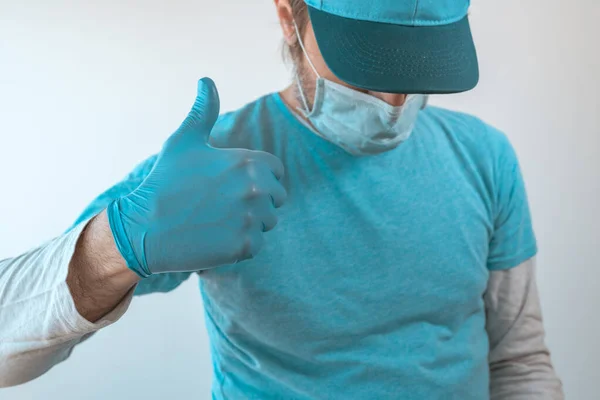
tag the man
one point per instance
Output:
(403, 263)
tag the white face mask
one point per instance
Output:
(357, 122)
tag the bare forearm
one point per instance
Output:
(98, 276)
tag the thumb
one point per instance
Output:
(202, 117)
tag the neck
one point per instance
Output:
(290, 97)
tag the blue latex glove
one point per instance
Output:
(199, 207)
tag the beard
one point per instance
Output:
(306, 81)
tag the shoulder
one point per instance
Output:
(246, 126)
(469, 134)
(465, 127)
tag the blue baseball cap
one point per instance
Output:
(397, 46)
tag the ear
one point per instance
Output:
(286, 20)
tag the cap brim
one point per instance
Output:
(394, 58)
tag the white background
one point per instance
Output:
(89, 88)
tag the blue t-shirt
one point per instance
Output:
(371, 286)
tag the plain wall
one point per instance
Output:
(89, 88)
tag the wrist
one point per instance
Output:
(98, 275)
(110, 262)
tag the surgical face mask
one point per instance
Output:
(357, 122)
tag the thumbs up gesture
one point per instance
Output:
(200, 206)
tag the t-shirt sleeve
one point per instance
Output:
(154, 283)
(513, 240)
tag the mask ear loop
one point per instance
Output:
(300, 90)
(302, 97)
(304, 50)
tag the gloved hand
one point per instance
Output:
(200, 206)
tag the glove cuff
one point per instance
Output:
(122, 241)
